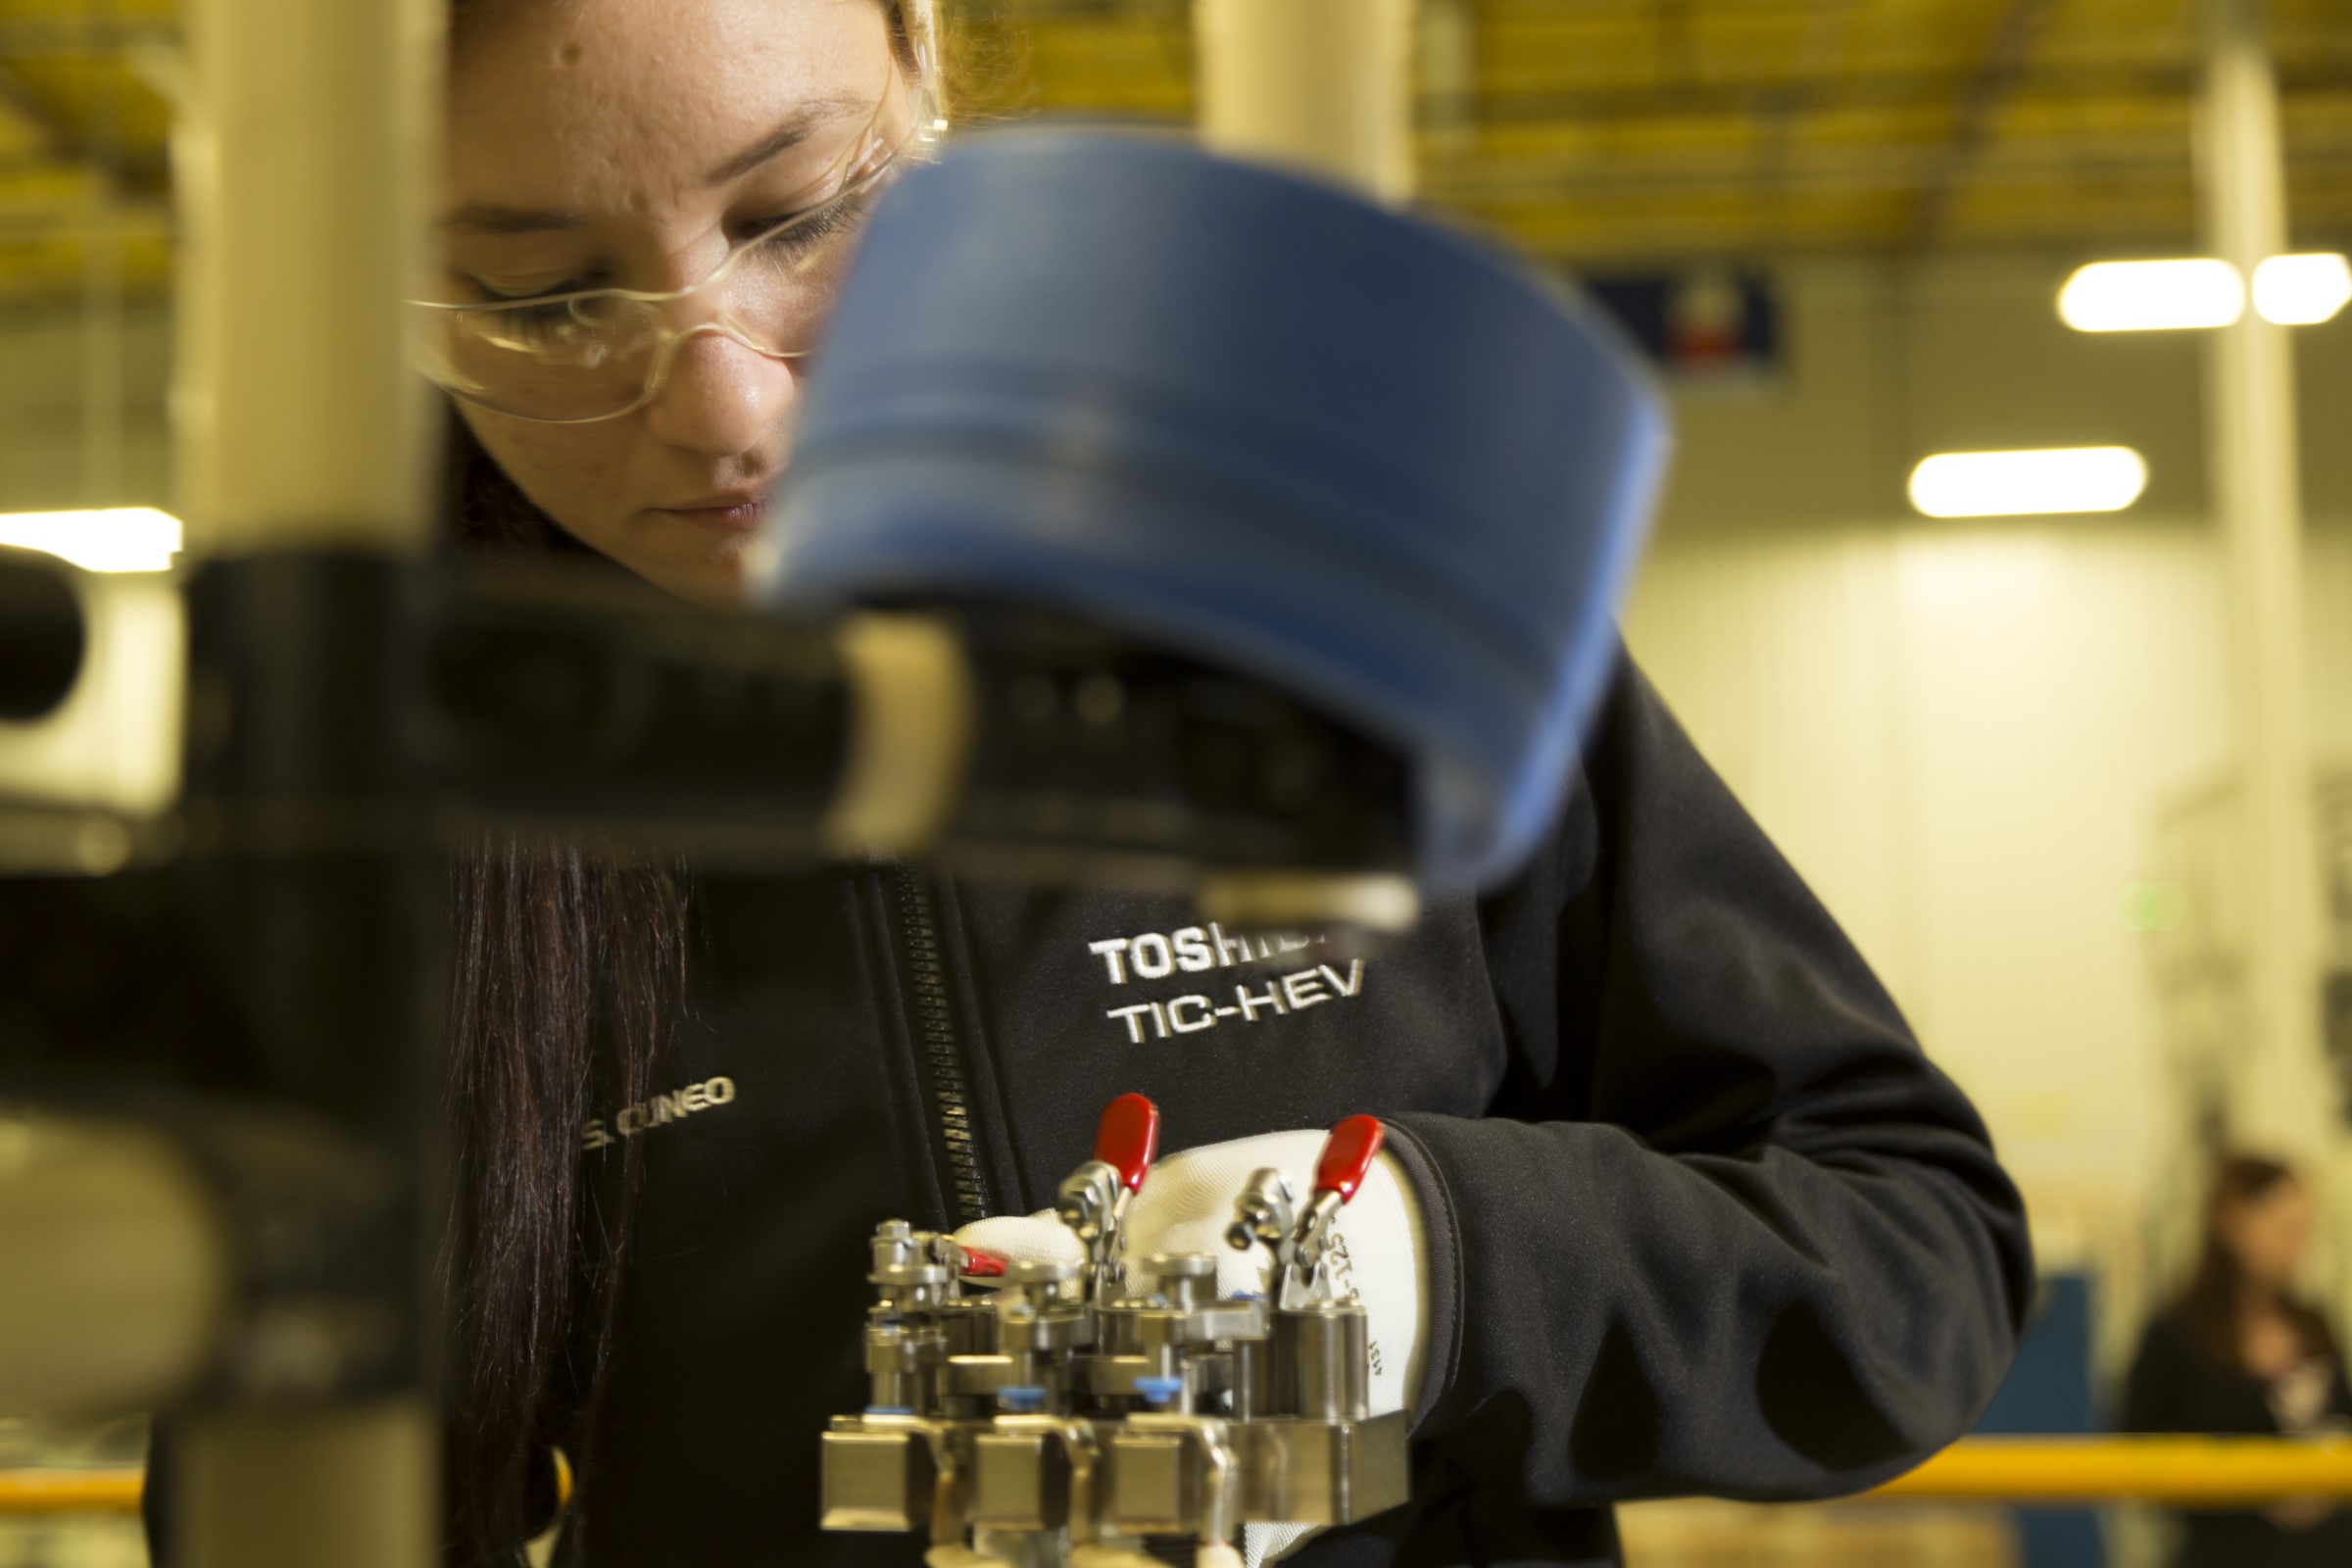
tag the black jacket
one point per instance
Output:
(2176, 1385)
(1703, 1217)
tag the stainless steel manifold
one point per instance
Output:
(1074, 1412)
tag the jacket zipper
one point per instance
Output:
(934, 1021)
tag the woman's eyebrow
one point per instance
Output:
(493, 218)
(794, 130)
(490, 217)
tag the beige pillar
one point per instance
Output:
(304, 157)
(2250, 423)
(1322, 85)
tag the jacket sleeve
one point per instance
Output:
(1724, 1229)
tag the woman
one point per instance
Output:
(2241, 1352)
(1686, 1208)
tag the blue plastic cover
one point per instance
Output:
(1249, 418)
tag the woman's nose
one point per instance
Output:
(721, 400)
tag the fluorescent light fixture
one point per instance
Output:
(2007, 484)
(2302, 290)
(2152, 296)
(117, 539)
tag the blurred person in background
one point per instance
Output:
(2241, 1354)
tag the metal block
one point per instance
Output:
(877, 1480)
(1021, 1480)
(1320, 1472)
(1154, 1484)
(979, 1375)
(1107, 1375)
(1205, 1323)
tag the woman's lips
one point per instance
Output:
(740, 516)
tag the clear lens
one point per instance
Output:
(582, 359)
(594, 355)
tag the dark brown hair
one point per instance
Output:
(2212, 1311)
(569, 979)
(570, 982)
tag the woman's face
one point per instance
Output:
(2271, 1234)
(633, 143)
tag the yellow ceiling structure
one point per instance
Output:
(1595, 131)
(1621, 130)
(84, 177)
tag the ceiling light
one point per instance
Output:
(1999, 484)
(119, 539)
(2302, 290)
(2151, 296)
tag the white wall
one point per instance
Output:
(1963, 733)
(1959, 736)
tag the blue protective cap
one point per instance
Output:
(1246, 417)
(1159, 1390)
(1021, 1398)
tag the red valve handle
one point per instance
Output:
(1348, 1155)
(1127, 1138)
(979, 1265)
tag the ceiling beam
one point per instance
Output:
(50, 38)
(1974, 115)
(20, 102)
(1889, 89)
(1859, 165)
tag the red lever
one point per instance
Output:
(1127, 1138)
(1348, 1154)
(979, 1265)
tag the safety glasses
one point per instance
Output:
(599, 353)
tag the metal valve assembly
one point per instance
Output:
(1067, 1410)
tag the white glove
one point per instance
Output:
(1187, 1205)
(1378, 1253)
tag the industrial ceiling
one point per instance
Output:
(1593, 131)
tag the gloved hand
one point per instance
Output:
(1187, 1203)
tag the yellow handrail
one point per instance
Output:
(2183, 1471)
(114, 1489)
